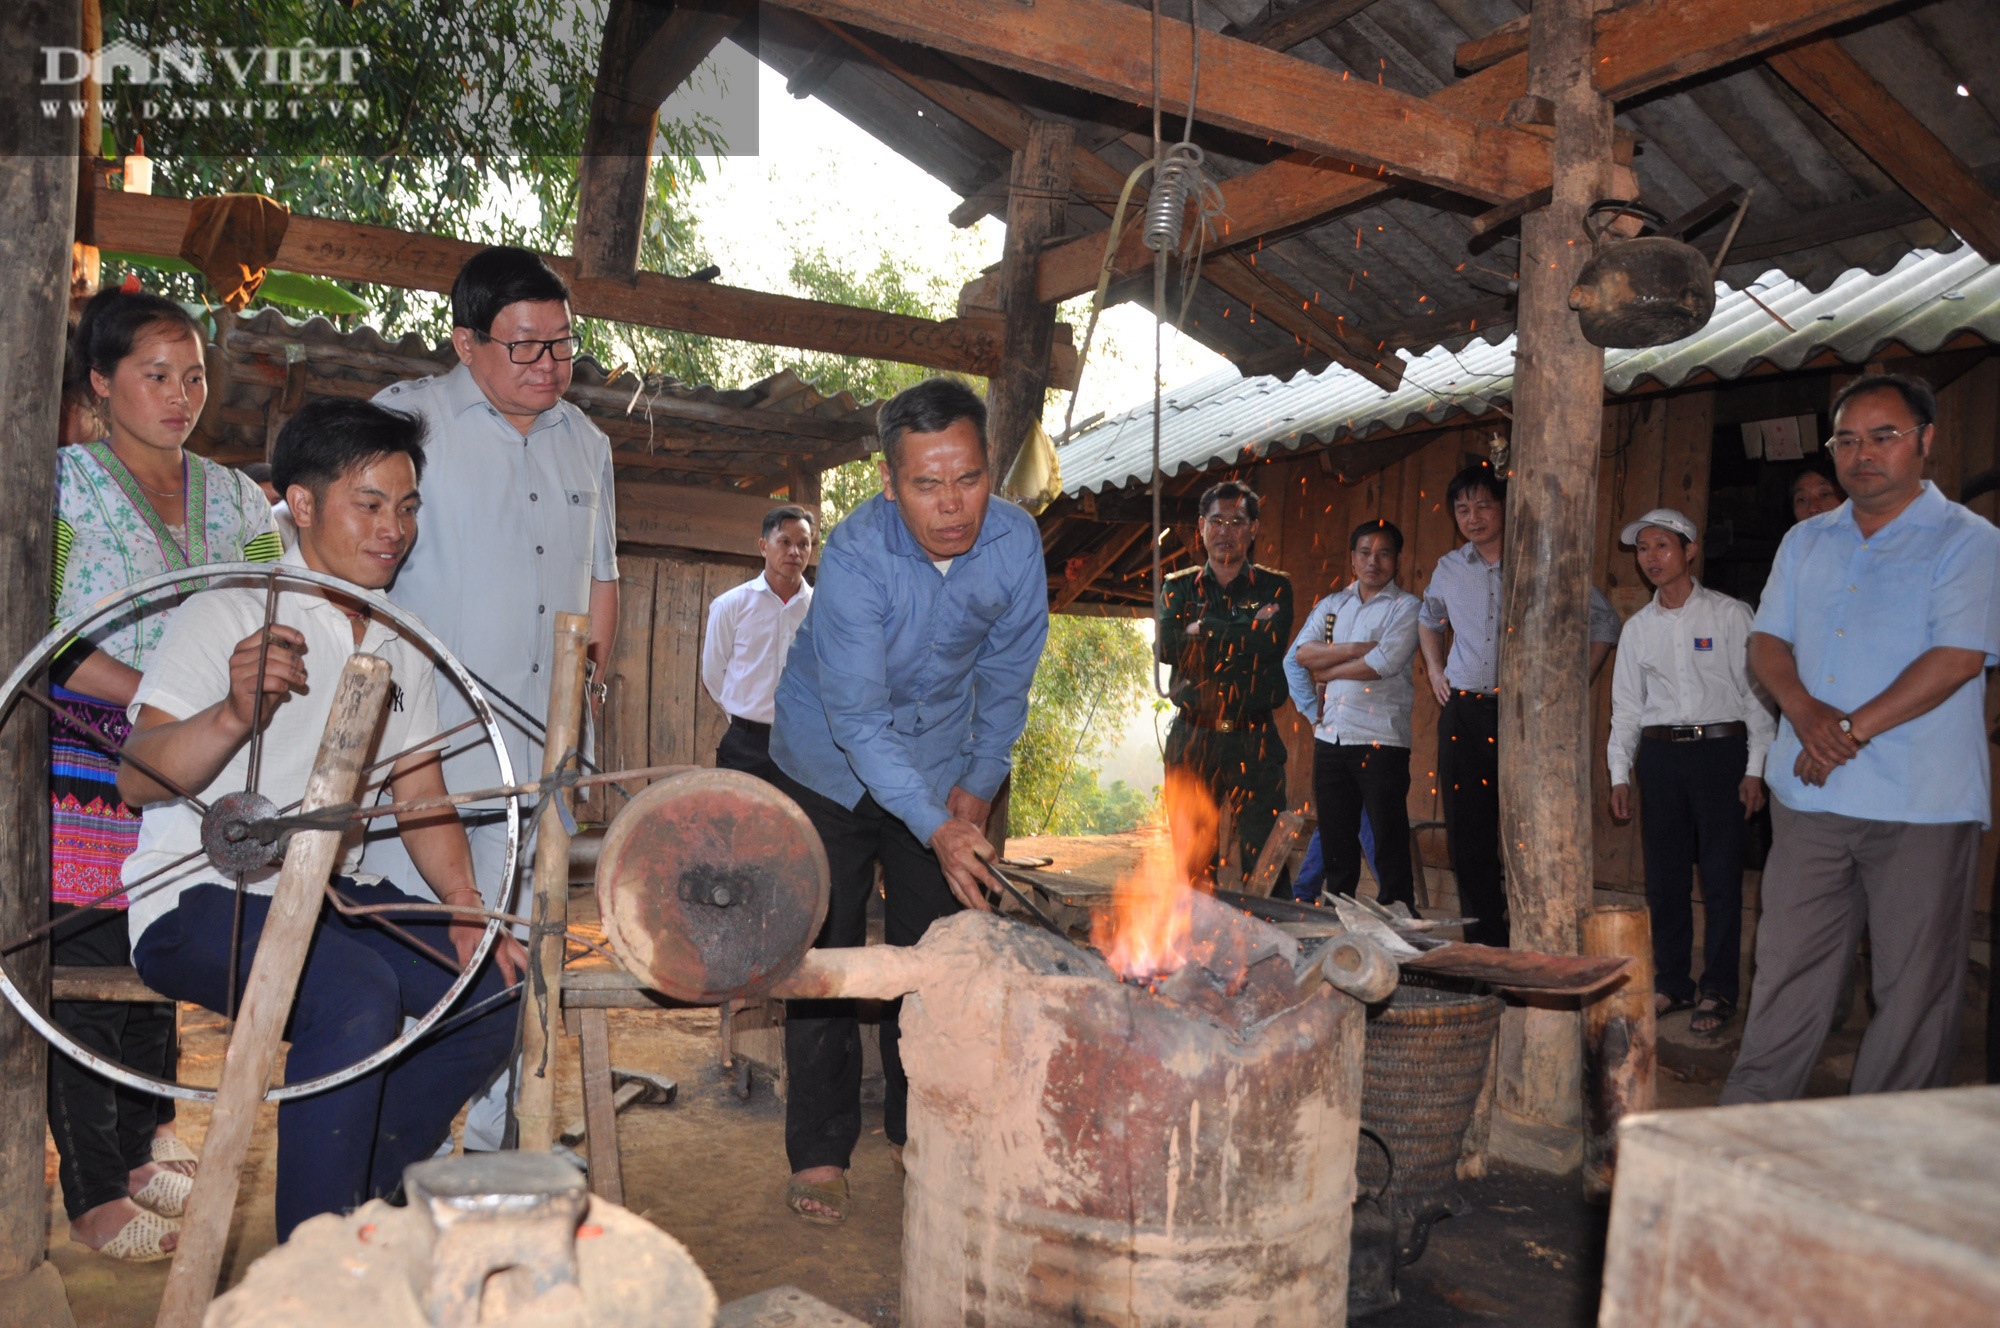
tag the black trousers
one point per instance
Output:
(823, 1038)
(1689, 812)
(1469, 779)
(103, 1131)
(1347, 778)
(1244, 769)
(745, 749)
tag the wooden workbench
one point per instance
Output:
(1839, 1213)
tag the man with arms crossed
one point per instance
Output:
(518, 527)
(896, 720)
(750, 631)
(1681, 701)
(1874, 634)
(1356, 645)
(350, 471)
(1464, 595)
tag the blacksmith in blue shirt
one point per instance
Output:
(896, 718)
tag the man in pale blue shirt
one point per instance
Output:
(1349, 672)
(1874, 634)
(902, 697)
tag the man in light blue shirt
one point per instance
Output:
(896, 716)
(1874, 634)
(1349, 672)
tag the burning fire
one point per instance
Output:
(1146, 933)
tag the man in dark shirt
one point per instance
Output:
(1223, 629)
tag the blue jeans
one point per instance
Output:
(339, 1148)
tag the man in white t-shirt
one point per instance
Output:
(750, 631)
(349, 470)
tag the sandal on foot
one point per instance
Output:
(1711, 1015)
(141, 1240)
(166, 1193)
(1674, 1005)
(830, 1194)
(169, 1150)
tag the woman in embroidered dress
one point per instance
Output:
(129, 505)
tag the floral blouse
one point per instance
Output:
(107, 536)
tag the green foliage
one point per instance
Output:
(459, 117)
(1090, 809)
(1093, 674)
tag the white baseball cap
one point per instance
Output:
(1666, 518)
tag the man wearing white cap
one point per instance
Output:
(1683, 705)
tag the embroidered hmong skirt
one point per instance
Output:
(94, 831)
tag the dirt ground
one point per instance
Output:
(710, 1170)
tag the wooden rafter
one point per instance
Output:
(1099, 183)
(650, 47)
(346, 251)
(1840, 89)
(1303, 23)
(1109, 550)
(1640, 47)
(1106, 47)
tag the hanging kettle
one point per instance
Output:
(1645, 291)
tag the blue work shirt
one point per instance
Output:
(1857, 612)
(905, 680)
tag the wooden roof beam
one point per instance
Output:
(650, 47)
(1283, 31)
(1640, 47)
(1106, 47)
(1100, 182)
(1840, 89)
(348, 251)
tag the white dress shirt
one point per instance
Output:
(750, 632)
(1686, 666)
(1357, 712)
(189, 672)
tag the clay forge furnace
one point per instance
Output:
(1155, 1132)
(1086, 1150)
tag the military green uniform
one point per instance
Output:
(1228, 679)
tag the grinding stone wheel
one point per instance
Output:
(712, 885)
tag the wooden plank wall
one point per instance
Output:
(658, 713)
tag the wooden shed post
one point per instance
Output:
(1036, 199)
(1544, 693)
(38, 173)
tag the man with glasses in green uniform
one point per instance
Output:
(1223, 629)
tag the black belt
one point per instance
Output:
(750, 726)
(1225, 723)
(1460, 694)
(1735, 728)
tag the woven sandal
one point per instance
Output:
(170, 1150)
(166, 1193)
(830, 1193)
(141, 1240)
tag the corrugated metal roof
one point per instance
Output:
(1920, 304)
(1399, 266)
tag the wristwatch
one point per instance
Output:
(1847, 727)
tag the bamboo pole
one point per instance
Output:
(541, 1015)
(1618, 1039)
(358, 699)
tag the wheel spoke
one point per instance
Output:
(256, 770)
(131, 892)
(235, 950)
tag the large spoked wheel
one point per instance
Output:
(271, 575)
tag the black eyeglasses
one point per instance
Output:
(528, 352)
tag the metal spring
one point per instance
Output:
(1179, 176)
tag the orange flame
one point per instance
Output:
(1146, 933)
